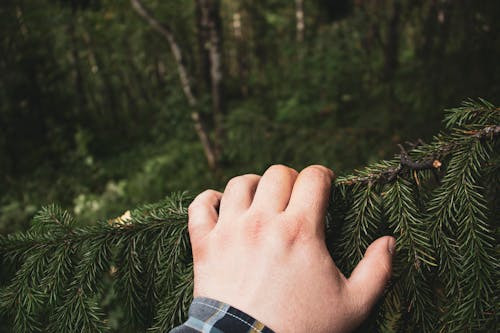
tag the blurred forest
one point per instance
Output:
(108, 104)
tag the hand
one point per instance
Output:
(260, 247)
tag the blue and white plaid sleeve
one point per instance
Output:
(210, 316)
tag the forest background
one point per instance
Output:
(108, 104)
(105, 105)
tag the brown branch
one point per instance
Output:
(430, 162)
(487, 131)
(199, 126)
(406, 161)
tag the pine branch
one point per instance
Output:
(425, 157)
(362, 221)
(45, 251)
(460, 206)
(414, 247)
(444, 273)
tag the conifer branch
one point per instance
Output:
(444, 272)
(426, 157)
(362, 223)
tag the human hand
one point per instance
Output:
(260, 247)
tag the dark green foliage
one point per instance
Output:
(65, 269)
(93, 117)
(441, 213)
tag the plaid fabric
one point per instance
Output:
(210, 316)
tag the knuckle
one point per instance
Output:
(235, 181)
(201, 200)
(280, 168)
(210, 194)
(318, 172)
(240, 182)
(207, 195)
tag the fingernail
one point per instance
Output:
(391, 245)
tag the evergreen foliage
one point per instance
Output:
(440, 200)
(93, 114)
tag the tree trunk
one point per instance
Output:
(211, 21)
(391, 50)
(299, 14)
(201, 131)
(241, 53)
(202, 31)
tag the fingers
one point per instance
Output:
(311, 193)
(280, 187)
(238, 196)
(274, 188)
(203, 214)
(369, 278)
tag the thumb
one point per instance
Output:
(369, 278)
(203, 215)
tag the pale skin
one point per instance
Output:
(260, 247)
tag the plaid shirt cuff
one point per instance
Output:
(210, 316)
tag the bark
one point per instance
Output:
(211, 21)
(299, 14)
(200, 127)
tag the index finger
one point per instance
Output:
(310, 194)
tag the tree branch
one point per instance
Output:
(429, 161)
(211, 22)
(199, 126)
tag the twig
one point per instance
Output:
(429, 162)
